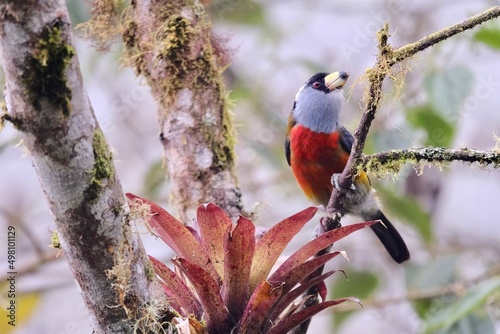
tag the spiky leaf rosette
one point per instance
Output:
(222, 275)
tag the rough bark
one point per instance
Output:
(170, 44)
(48, 104)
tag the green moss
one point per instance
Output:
(149, 271)
(54, 240)
(388, 165)
(45, 78)
(103, 166)
(175, 38)
(184, 49)
(104, 25)
(229, 135)
(198, 73)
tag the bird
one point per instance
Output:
(317, 148)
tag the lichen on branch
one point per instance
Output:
(391, 162)
(386, 58)
(170, 43)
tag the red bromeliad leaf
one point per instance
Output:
(239, 247)
(213, 223)
(261, 302)
(214, 311)
(271, 245)
(195, 233)
(321, 290)
(177, 236)
(318, 244)
(293, 277)
(288, 298)
(177, 290)
(173, 302)
(290, 322)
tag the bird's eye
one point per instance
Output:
(316, 85)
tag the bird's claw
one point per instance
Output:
(335, 182)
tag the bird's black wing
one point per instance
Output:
(287, 150)
(346, 139)
(291, 124)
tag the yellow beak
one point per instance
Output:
(336, 80)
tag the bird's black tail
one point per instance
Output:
(390, 238)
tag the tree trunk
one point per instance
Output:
(48, 104)
(170, 43)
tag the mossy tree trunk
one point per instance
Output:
(170, 43)
(48, 104)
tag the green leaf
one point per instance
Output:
(448, 90)
(78, 11)
(240, 12)
(154, 179)
(489, 36)
(473, 300)
(440, 132)
(240, 92)
(407, 209)
(475, 323)
(433, 275)
(390, 138)
(359, 283)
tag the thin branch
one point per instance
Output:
(411, 49)
(17, 221)
(386, 59)
(335, 206)
(47, 257)
(392, 161)
(456, 288)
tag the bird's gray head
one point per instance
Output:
(318, 102)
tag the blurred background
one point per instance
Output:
(449, 215)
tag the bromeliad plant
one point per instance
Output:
(222, 280)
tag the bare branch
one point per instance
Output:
(456, 288)
(31, 267)
(410, 50)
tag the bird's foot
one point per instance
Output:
(335, 182)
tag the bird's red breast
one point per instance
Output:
(314, 158)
